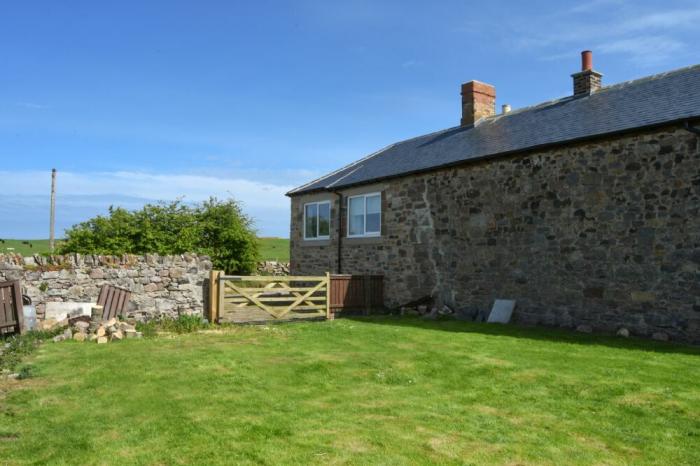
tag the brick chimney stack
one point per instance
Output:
(478, 101)
(587, 81)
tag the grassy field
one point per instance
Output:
(274, 249)
(25, 247)
(363, 391)
(270, 248)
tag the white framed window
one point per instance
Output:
(317, 220)
(365, 215)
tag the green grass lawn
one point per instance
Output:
(271, 249)
(274, 249)
(362, 391)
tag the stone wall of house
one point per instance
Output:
(604, 234)
(160, 285)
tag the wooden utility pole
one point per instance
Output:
(52, 221)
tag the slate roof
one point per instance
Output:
(651, 101)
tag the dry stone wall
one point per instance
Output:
(160, 285)
(274, 268)
(603, 234)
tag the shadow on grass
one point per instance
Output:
(532, 333)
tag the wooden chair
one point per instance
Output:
(114, 301)
(11, 309)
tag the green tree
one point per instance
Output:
(219, 229)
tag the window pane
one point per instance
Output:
(373, 223)
(324, 219)
(374, 208)
(374, 204)
(311, 221)
(357, 216)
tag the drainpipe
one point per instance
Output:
(692, 129)
(340, 232)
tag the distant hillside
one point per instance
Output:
(26, 247)
(274, 249)
(271, 249)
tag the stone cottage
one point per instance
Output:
(584, 209)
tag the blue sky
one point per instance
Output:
(137, 101)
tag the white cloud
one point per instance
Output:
(82, 195)
(31, 105)
(647, 50)
(411, 63)
(640, 37)
(145, 185)
(593, 5)
(681, 18)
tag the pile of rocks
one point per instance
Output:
(427, 311)
(83, 328)
(102, 332)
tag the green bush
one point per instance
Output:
(148, 329)
(183, 324)
(16, 347)
(216, 228)
(26, 372)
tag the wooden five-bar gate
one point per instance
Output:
(240, 299)
(11, 312)
(263, 298)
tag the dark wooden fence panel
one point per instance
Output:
(114, 300)
(11, 312)
(353, 294)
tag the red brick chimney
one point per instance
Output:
(587, 81)
(478, 101)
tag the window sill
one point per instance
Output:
(359, 240)
(315, 242)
